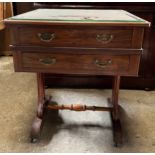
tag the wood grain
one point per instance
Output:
(69, 36)
(80, 63)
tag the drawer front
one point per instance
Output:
(75, 37)
(90, 64)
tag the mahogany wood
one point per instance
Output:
(86, 64)
(146, 78)
(77, 36)
(38, 120)
(77, 52)
(41, 94)
(115, 94)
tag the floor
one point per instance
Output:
(71, 131)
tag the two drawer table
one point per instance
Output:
(77, 42)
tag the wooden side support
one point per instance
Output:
(115, 95)
(38, 121)
(117, 129)
(41, 94)
(49, 104)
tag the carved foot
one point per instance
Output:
(36, 129)
(117, 132)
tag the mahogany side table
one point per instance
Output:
(77, 42)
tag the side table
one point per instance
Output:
(77, 42)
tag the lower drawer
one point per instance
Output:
(70, 63)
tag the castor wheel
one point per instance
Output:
(34, 140)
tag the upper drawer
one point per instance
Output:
(91, 37)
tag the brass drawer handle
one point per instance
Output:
(46, 37)
(47, 61)
(104, 38)
(103, 64)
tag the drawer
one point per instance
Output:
(75, 37)
(67, 63)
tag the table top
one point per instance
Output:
(79, 16)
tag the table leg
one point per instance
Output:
(38, 121)
(117, 130)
